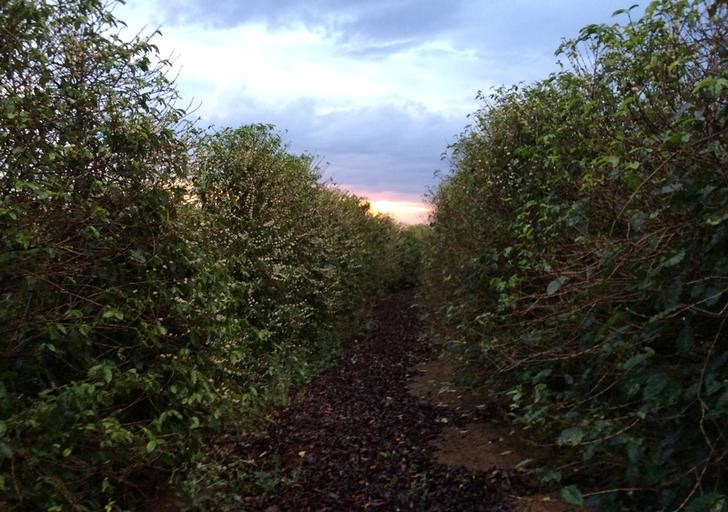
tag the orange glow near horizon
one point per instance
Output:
(406, 212)
(402, 207)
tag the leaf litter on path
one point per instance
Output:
(356, 439)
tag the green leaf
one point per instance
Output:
(24, 239)
(549, 475)
(717, 219)
(151, 445)
(634, 361)
(612, 160)
(638, 221)
(572, 495)
(713, 86)
(113, 313)
(669, 189)
(571, 436)
(137, 255)
(554, 285)
(99, 212)
(673, 260)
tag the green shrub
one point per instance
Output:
(94, 388)
(157, 287)
(411, 244)
(582, 244)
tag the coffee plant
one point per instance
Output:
(580, 247)
(158, 286)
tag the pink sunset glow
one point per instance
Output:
(405, 208)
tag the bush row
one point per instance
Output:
(582, 246)
(157, 285)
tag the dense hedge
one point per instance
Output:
(156, 285)
(582, 245)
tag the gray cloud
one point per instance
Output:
(381, 147)
(227, 13)
(381, 24)
(377, 51)
(402, 19)
(375, 29)
(388, 147)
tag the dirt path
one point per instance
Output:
(355, 439)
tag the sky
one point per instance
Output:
(376, 88)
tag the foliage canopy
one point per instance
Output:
(583, 244)
(157, 285)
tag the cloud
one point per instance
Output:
(405, 208)
(376, 147)
(378, 88)
(372, 20)
(377, 51)
(280, 66)
(407, 212)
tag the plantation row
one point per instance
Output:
(157, 285)
(580, 251)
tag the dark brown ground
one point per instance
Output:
(355, 439)
(485, 443)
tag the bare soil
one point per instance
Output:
(482, 445)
